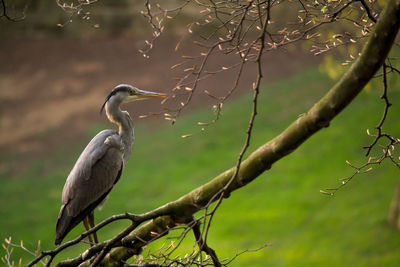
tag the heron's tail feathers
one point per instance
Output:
(65, 222)
(63, 225)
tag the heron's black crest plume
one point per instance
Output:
(118, 88)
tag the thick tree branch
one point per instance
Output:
(319, 116)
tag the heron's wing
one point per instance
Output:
(95, 172)
(92, 178)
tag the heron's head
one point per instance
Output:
(126, 93)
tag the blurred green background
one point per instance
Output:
(282, 209)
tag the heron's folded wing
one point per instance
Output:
(95, 172)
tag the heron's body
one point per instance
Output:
(100, 165)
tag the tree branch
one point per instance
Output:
(203, 245)
(7, 16)
(369, 13)
(318, 117)
(380, 133)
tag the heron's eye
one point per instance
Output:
(131, 92)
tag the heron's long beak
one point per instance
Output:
(147, 94)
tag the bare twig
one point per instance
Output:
(256, 87)
(203, 245)
(7, 16)
(369, 12)
(380, 133)
(387, 150)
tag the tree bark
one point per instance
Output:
(339, 96)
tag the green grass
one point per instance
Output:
(282, 208)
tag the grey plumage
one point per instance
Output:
(101, 163)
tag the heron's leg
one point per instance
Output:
(91, 223)
(86, 224)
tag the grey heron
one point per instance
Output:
(100, 165)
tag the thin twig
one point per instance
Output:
(7, 16)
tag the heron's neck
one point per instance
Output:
(125, 128)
